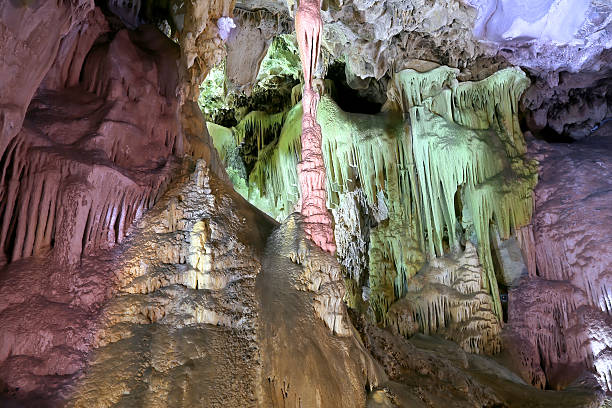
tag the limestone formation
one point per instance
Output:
(462, 138)
(561, 313)
(311, 169)
(446, 298)
(185, 294)
(435, 245)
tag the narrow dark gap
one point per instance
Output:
(551, 136)
(11, 235)
(459, 217)
(501, 284)
(541, 356)
(547, 134)
(117, 222)
(84, 240)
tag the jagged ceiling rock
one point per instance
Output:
(552, 39)
(201, 47)
(565, 44)
(546, 35)
(66, 69)
(194, 26)
(274, 6)
(377, 37)
(571, 104)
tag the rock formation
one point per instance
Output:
(85, 196)
(406, 170)
(561, 313)
(311, 169)
(100, 142)
(434, 243)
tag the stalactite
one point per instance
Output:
(74, 178)
(458, 141)
(485, 160)
(318, 222)
(260, 125)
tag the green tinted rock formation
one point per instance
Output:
(443, 164)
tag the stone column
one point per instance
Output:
(318, 223)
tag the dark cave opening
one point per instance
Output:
(551, 136)
(352, 100)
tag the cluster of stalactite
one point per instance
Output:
(439, 166)
(98, 145)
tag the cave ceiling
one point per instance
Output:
(563, 45)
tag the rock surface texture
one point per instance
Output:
(100, 142)
(561, 313)
(72, 180)
(182, 328)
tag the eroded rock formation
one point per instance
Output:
(100, 142)
(462, 139)
(561, 313)
(76, 188)
(133, 274)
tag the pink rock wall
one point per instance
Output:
(562, 316)
(100, 141)
(93, 155)
(30, 34)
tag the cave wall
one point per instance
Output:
(95, 121)
(76, 65)
(82, 157)
(560, 316)
(74, 176)
(31, 36)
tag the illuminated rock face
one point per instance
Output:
(181, 329)
(311, 169)
(100, 142)
(561, 313)
(444, 143)
(217, 305)
(446, 297)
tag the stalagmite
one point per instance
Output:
(311, 170)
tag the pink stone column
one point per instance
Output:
(318, 223)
